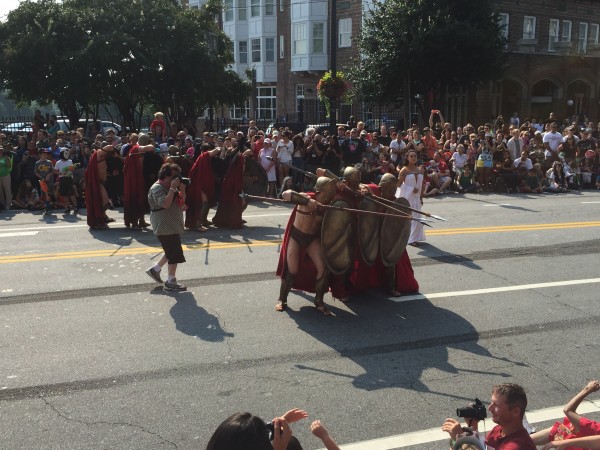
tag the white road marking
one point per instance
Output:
(20, 233)
(436, 434)
(521, 287)
(499, 204)
(589, 202)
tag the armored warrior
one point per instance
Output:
(301, 264)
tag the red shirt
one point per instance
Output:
(519, 440)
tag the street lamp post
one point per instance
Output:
(333, 63)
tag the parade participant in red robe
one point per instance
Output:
(231, 205)
(96, 197)
(301, 264)
(135, 194)
(201, 192)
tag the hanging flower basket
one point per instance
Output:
(330, 87)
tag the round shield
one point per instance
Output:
(368, 232)
(394, 235)
(255, 178)
(336, 239)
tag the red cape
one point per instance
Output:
(229, 212)
(202, 180)
(307, 272)
(134, 192)
(93, 197)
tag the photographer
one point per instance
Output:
(6, 164)
(507, 409)
(167, 203)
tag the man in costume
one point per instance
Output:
(135, 193)
(96, 197)
(301, 264)
(201, 192)
(400, 277)
(231, 205)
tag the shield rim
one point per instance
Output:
(349, 240)
(401, 239)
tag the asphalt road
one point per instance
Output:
(95, 356)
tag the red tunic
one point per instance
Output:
(94, 202)
(202, 180)
(134, 192)
(231, 206)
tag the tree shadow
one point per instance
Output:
(412, 337)
(192, 319)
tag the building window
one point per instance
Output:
(242, 6)
(528, 27)
(299, 98)
(344, 32)
(299, 39)
(503, 21)
(228, 8)
(243, 52)
(553, 35)
(240, 112)
(269, 49)
(318, 37)
(266, 101)
(269, 7)
(594, 33)
(280, 5)
(254, 8)
(583, 38)
(566, 31)
(281, 50)
(255, 50)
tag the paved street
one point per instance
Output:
(95, 356)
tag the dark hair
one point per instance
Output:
(405, 163)
(241, 431)
(514, 394)
(167, 170)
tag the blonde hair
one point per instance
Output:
(157, 114)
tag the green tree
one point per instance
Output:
(432, 43)
(85, 53)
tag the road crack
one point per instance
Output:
(101, 422)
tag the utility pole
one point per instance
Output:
(333, 62)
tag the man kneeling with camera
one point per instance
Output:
(507, 409)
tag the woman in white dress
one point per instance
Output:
(411, 179)
(268, 152)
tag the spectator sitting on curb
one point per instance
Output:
(573, 425)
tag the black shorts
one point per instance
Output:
(171, 244)
(66, 186)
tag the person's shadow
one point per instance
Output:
(413, 337)
(195, 321)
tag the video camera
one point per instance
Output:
(184, 180)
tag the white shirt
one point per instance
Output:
(61, 165)
(511, 146)
(459, 160)
(553, 140)
(285, 151)
(528, 164)
(395, 145)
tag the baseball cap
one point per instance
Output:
(267, 141)
(275, 133)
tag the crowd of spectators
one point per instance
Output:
(528, 156)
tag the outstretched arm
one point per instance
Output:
(571, 407)
(319, 431)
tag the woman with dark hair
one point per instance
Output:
(243, 431)
(411, 180)
(557, 180)
(484, 162)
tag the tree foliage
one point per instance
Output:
(434, 42)
(85, 53)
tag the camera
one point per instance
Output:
(475, 410)
(270, 430)
(184, 180)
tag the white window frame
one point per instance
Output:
(504, 23)
(299, 96)
(567, 29)
(254, 8)
(345, 33)
(270, 49)
(299, 39)
(582, 38)
(255, 49)
(266, 94)
(240, 112)
(269, 7)
(242, 7)
(228, 10)
(553, 37)
(280, 5)
(240, 52)
(315, 39)
(594, 33)
(529, 25)
(281, 47)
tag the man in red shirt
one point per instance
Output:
(430, 143)
(507, 409)
(439, 173)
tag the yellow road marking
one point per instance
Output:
(232, 245)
